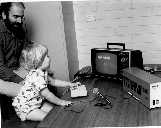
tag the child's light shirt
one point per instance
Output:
(29, 97)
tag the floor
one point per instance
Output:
(14, 122)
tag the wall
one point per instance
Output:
(135, 22)
(44, 21)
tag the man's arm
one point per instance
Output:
(10, 89)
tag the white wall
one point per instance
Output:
(135, 22)
(45, 25)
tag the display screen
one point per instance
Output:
(106, 63)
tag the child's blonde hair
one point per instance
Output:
(33, 56)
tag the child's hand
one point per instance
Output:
(65, 103)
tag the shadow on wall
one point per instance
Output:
(70, 37)
(29, 28)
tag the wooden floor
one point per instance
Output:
(14, 122)
(126, 111)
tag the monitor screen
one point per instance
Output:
(106, 63)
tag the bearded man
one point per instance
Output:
(12, 41)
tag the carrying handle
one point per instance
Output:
(118, 44)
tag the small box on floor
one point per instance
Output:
(78, 91)
(143, 86)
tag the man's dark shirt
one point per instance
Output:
(10, 51)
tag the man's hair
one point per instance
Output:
(5, 7)
(32, 56)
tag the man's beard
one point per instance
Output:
(15, 28)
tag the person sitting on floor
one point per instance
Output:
(30, 102)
